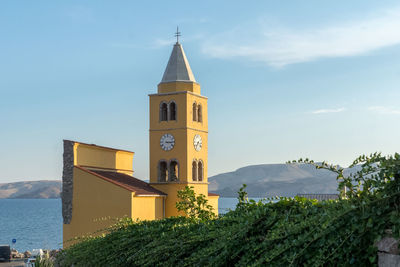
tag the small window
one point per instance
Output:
(172, 111)
(199, 114)
(173, 171)
(163, 112)
(200, 171)
(163, 171)
(194, 112)
(194, 171)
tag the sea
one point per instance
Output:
(37, 223)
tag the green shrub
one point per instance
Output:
(290, 232)
(194, 207)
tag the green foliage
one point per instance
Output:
(242, 197)
(195, 207)
(290, 232)
(44, 261)
(377, 175)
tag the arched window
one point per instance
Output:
(173, 171)
(163, 111)
(199, 114)
(194, 112)
(172, 111)
(200, 171)
(194, 170)
(162, 171)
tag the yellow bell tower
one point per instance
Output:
(179, 133)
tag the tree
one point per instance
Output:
(195, 207)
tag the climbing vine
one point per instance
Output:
(289, 232)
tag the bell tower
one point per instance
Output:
(178, 132)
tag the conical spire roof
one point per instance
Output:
(178, 68)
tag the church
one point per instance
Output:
(98, 182)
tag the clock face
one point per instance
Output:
(167, 142)
(197, 142)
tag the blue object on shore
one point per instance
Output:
(14, 241)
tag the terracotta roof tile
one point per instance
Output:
(126, 181)
(213, 194)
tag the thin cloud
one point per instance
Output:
(322, 111)
(282, 47)
(385, 110)
(163, 42)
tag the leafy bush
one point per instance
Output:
(195, 207)
(44, 261)
(290, 232)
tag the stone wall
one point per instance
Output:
(388, 251)
(67, 181)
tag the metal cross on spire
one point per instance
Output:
(177, 34)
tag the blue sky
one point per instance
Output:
(313, 79)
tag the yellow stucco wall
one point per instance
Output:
(178, 87)
(197, 155)
(156, 100)
(213, 201)
(101, 157)
(172, 190)
(183, 129)
(96, 204)
(190, 99)
(179, 154)
(147, 208)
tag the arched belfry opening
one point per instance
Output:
(194, 171)
(173, 171)
(199, 114)
(200, 171)
(172, 111)
(194, 111)
(163, 111)
(162, 171)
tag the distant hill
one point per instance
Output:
(269, 180)
(264, 180)
(31, 189)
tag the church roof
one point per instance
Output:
(178, 68)
(126, 181)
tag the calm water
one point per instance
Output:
(34, 223)
(37, 223)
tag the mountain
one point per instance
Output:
(264, 180)
(269, 180)
(31, 189)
